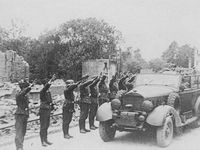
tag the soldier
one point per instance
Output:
(129, 83)
(121, 84)
(84, 105)
(22, 113)
(113, 87)
(45, 110)
(103, 91)
(94, 102)
(68, 107)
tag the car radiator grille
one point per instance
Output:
(135, 101)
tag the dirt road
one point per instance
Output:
(190, 140)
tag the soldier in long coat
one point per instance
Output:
(94, 102)
(22, 113)
(68, 106)
(45, 111)
(84, 105)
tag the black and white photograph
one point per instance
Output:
(99, 74)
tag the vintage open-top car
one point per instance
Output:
(165, 102)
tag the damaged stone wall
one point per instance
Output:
(12, 67)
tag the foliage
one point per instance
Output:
(170, 54)
(62, 51)
(3, 38)
(179, 56)
(132, 60)
(157, 64)
(84, 39)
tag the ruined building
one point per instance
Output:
(12, 67)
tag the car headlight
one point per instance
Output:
(147, 106)
(115, 104)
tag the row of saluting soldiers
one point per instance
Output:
(93, 93)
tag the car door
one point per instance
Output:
(187, 97)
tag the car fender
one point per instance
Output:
(104, 112)
(158, 115)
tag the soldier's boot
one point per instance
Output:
(86, 130)
(93, 127)
(48, 142)
(44, 144)
(66, 133)
(67, 136)
(82, 131)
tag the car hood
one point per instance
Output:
(153, 90)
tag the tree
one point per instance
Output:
(185, 53)
(75, 41)
(171, 53)
(132, 60)
(138, 58)
(3, 38)
(84, 39)
(179, 56)
(157, 64)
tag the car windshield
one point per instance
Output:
(158, 79)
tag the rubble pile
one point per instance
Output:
(8, 107)
(8, 90)
(13, 67)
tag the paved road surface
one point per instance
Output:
(190, 140)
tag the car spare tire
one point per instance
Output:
(173, 101)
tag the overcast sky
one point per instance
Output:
(150, 25)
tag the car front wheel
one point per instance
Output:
(106, 130)
(164, 134)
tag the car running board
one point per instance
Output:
(188, 121)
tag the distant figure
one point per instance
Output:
(45, 110)
(22, 113)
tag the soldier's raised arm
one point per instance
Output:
(47, 84)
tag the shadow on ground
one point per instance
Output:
(147, 138)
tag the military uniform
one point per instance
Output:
(94, 102)
(84, 105)
(113, 88)
(103, 91)
(68, 108)
(21, 116)
(129, 84)
(44, 112)
(121, 83)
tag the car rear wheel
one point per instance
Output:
(106, 130)
(164, 134)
